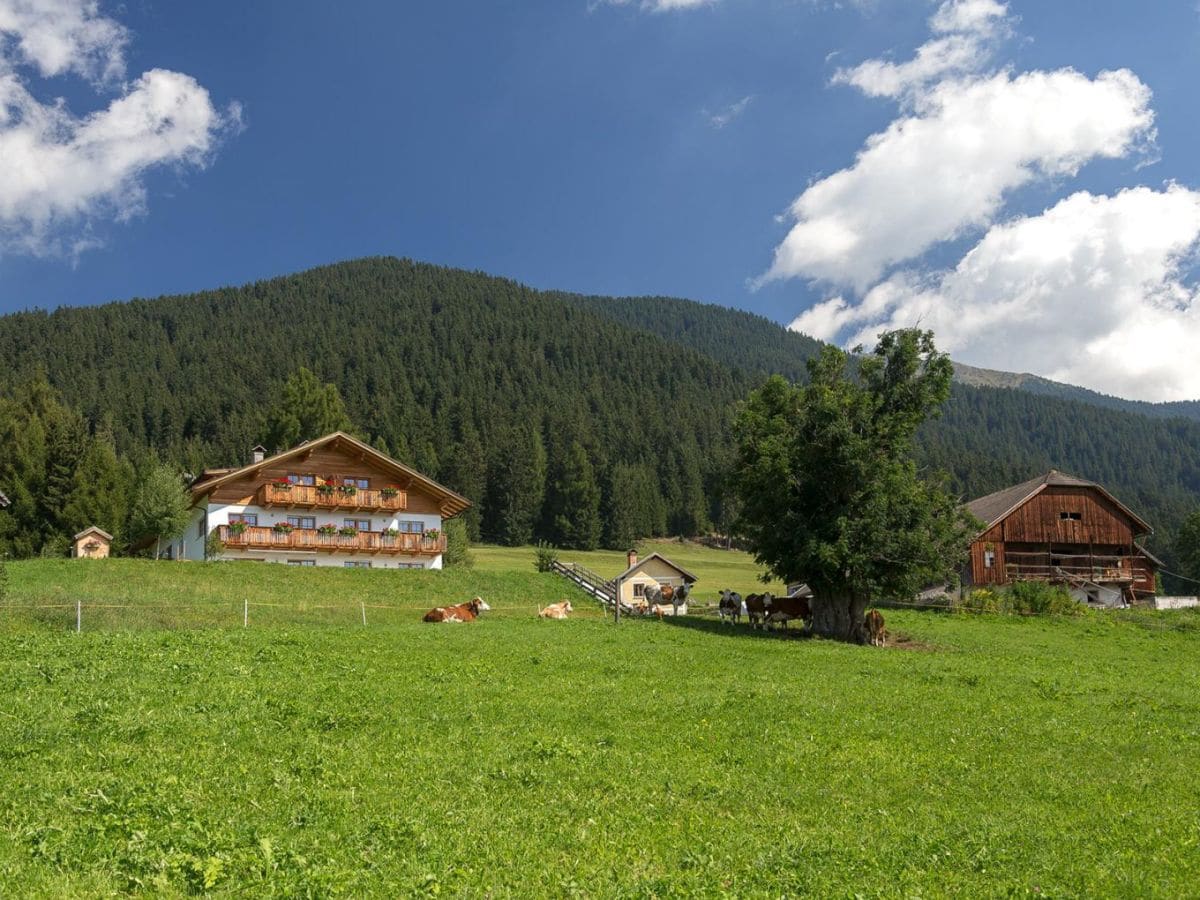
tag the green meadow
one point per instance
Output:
(308, 755)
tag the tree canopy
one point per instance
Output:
(830, 493)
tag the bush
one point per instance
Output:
(1024, 598)
(544, 556)
(458, 544)
(213, 545)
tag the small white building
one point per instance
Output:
(333, 501)
(644, 576)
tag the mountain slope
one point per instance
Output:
(466, 375)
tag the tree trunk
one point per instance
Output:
(839, 616)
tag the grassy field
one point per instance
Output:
(518, 757)
(715, 569)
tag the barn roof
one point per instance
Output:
(452, 503)
(994, 507)
(641, 562)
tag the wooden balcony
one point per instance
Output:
(1094, 569)
(305, 496)
(265, 537)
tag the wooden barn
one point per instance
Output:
(1066, 530)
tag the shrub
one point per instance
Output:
(213, 545)
(544, 556)
(1024, 598)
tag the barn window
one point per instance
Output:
(309, 480)
(989, 558)
(1071, 516)
(362, 483)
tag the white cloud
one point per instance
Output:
(725, 116)
(64, 172)
(932, 176)
(1093, 291)
(655, 5)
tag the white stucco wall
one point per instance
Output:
(218, 514)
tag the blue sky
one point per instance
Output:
(612, 148)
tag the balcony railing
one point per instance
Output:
(1096, 569)
(265, 537)
(307, 496)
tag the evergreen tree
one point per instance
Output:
(573, 502)
(307, 409)
(100, 490)
(1187, 547)
(465, 470)
(160, 507)
(635, 507)
(518, 481)
(458, 545)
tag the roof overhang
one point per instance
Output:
(450, 502)
(688, 576)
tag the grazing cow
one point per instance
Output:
(873, 628)
(784, 609)
(756, 608)
(731, 606)
(556, 610)
(464, 612)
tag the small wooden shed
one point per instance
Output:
(655, 570)
(92, 543)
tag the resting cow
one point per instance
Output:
(556, 610)
(784, 609)
(464, 612)
(873, 628)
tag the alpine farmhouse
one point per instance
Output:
(1065, 530)
(333, 501)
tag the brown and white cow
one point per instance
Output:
(782, 610)
(756, 609)
(873, 629)
(464, 612)
(556, 610)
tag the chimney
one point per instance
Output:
(257, 453)
(631, 558)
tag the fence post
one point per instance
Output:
(245, 613)
(364, 612)
(78, 616)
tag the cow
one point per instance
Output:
(873, 629)
(556, 610)
(783, 609)
(730, 606)
(464, 612)
(755, 607)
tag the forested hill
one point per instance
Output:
(533, 404)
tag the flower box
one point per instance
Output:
(237, 527)
(327, 529)
(389, 491)
(348, 489)
(325, 489)
(390, 532)
(347, 531)
(284, 528)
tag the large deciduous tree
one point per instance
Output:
(160, 507)
(829, 490)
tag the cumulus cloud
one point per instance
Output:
(1092, 291)
(64, 172)
(967, 140)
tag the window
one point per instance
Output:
(244, 518)
(410, 527)
(989, 558)
(360, 524)
(362, 483)
(200, 529)
(301, 562)
(309, 522)
(639, 590)
(410, 565)
(354, 564)
(1071, 516)
(302, 479)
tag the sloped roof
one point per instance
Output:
(994, 507)
(99, 532)
(451, 502)
(678, 568)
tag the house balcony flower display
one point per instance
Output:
(281, 484)
(390, 532)
(284, 527)
(237, 527)
(327, 529)
(433, 534)
(348, 490)
(348, 531)
(390, 491)
(325, 489)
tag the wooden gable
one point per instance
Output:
(1066, 515)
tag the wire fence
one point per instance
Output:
(87, 615)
